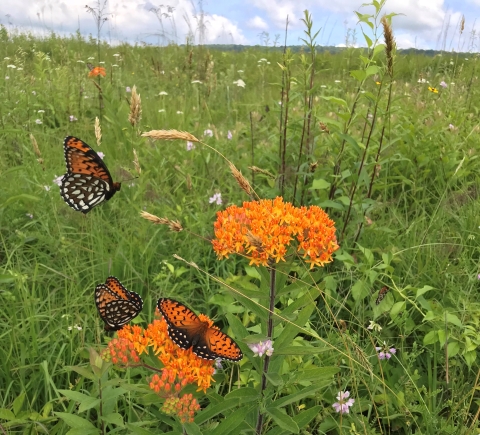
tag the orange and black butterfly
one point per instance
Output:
(87, 182)
(381, 294)
(187, 330)
(116, 305)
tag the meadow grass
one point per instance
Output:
(403, 163)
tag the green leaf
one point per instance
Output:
(423, 290)
(320, 183)
(86, 373)
(192, 429)
(75, 421)
(367, 39)
(360, 290)
(243, 393)
(213, 410)
(232, 421)
(137, 430)
(358, 74)
(283, 420)
(18, 403)
(470, 357)
(372, 70)
(82, 431)
(452, 318)
(21, 197)
(368, 254)
(114, 418)
(453, 348)
(307, 416)
(86, 402)
(396, 309)
(299, 350)
(336, 100)
(430, 338)
(317, 374)
(298, 395)
(6, 414)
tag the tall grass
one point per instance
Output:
(394, 164)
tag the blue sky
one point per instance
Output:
(426, 24)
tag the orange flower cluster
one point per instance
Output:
(166, 382)
(97, 71)
(184, 408)
(121, 352)
(182, 363)
(263, 230)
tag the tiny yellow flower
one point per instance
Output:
(434, 90)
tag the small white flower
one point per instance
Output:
(47, 188)
(101, 62)
(179, 112)
(40, 111)
(6, 77)
(116, 55)
(323, 86)
(216, 198)
(34, 93)
(101, 155)
(161, 110)
(338, 81)
(196, 81)
(79, 328)
(80, 61)
(11, 66)
(38, 121)
(163, 93)
(240, 71)
(58, 180)
(19, 69)
(262, 60)
(6, 58)
(70, 328)
(114, 65)
(91, 58)
(239, 82)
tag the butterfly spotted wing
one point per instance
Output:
(381, 294)
(116, 305)
(187, 330)
(87, 182)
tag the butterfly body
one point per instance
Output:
(381, 294)
(87, 182)
(116, 305)
(187, 330)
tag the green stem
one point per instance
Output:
(266, 361)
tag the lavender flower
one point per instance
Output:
(128, 89)
(58, 180)
(229, 135)
(73, 118)
(261, 348)
(384, 352)
(344, 403)
(101, 155)
(190, 146)
(217, 198)
(208, 132)
(443, 84)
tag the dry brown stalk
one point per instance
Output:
(170, 135)
(389, 44)
(172, 225)
(135, 108)
(136, 162)
(98, 131)
(241, 180)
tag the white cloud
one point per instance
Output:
(130, 20)
(257, 23)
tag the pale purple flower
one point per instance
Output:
(478, 276)
(443, 84)
(344, 403)
(101, 155)
(58, 180)
(30, 215)
(384, 352)
(262, 347)
(47, 188)
(190, 146)
(216, 198)
(73, 118)
(128, 89)
(229, 135)
(218, 364)
(208, 132)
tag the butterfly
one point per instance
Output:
(381, 294)
(187, 330)
(115, 304)
(87, 182)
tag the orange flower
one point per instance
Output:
(263, 230)
(97, 71)
(180, 363)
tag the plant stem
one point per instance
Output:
(266, 361)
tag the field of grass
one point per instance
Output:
(389, 151)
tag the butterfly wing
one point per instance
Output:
(87, 182)
(187, 330)
(218, 345)
(116, 305)
(184, 326)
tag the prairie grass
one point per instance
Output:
(395, 165)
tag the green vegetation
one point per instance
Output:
(394, 164)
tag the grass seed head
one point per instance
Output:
(170, 135)
(135, 108)
(98, 131)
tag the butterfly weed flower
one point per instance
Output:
(263, 231)
(97, 71)
(344, 402)
(121, 352)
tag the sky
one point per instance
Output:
(422, 24)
